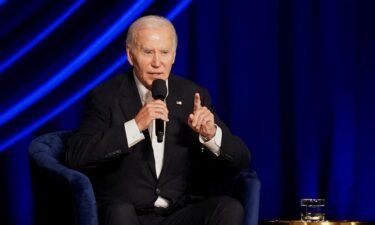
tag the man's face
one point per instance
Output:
(152, 54)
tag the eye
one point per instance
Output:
(147, 52)
(165, 52)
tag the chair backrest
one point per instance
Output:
(61, 195)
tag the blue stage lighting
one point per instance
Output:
(178, 9)
(2, 2)
(117, 64)
(63, 105)
(98, 45)
(27, 47)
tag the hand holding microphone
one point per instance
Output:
(154, 110)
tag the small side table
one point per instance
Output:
(327, 222)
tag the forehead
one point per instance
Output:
(154, 37)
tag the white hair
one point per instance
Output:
(151, 21)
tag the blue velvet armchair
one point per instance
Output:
(65, 196)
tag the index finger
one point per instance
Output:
(197, 101)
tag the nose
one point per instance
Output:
(155, 60)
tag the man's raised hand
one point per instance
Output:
(202, 119)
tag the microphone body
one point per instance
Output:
(159, 91)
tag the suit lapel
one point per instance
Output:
(129, 100)
(130, 103)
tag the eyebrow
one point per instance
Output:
(152, 49)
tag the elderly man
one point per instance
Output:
(138, 179)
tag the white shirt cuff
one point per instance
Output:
(215, 143)
(133, 135)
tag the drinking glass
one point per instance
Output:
(312, 209)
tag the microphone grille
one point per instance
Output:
(159, 89)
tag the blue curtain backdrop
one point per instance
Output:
(294, 78)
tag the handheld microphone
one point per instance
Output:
(159, 91)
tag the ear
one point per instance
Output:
(129, 54)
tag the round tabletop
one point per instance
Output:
(327, 222)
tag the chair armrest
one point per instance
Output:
(247, 190)
(46, 151)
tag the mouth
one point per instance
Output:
(156, 74)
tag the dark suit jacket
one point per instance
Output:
(118, 173)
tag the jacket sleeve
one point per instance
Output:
(232, 149)
(96, 141)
